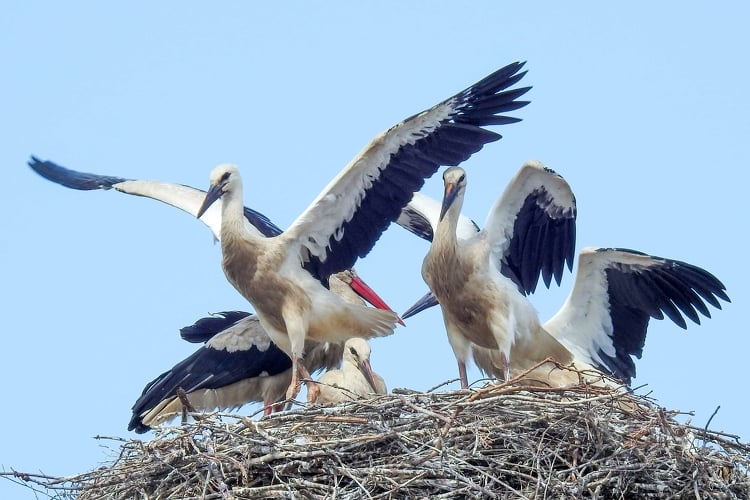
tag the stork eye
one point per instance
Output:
(353, 351)
(225, 177)
(462, 178)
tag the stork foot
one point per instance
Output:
(293, 390)
(313, 391)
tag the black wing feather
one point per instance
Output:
(71, 178)
(205, 328)
(453, 141)
(207, 368)
(637, 293)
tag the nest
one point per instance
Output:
(501, 441)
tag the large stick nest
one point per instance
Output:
(502, 441)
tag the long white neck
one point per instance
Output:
(232, 210)
(445, 233)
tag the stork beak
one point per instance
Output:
(366, 370)
(213, 194)
(363, 290)
(425, 302)
(451, 190)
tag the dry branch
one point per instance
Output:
(503, 441)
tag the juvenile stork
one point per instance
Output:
(355, 379)
(238, 364)
(480, 279)
(346, 219)
(604, 320)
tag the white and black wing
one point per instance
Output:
(532, 227)
(206, 328)
(616, 292)
(186, 198)
(241, 351)
(343, 223)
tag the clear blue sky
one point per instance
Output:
(644, 110)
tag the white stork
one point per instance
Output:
(480, 280)
(354, 380)
(346, 219)
(604, 321)
(237, 365)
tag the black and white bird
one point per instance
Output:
(345, 220)
(238, 364)
(481, 279)
(604, 321)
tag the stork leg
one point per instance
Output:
(462, 375)
(296, 329)
(294, 386)
(268, 408)
(313, 391)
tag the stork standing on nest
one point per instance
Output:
(346, 219)
(355, 379)
(237, 365)
(604, 321)
(469, 277)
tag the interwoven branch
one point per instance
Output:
(503, 441)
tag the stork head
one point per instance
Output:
(454, 179)
(224, 178)
(357, 352)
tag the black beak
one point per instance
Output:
(449, 196)
(425, 302)
(214, 193)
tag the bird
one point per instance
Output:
(237, 365)
(354, 380)
(604, 321)
(186, 198)
(480, 279)
(346, 219)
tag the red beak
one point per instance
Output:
(363, 290)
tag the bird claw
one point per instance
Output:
(313, 391)
(293, 390)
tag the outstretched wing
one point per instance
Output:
(347, 218)
(532, 227)
(616, 292)
(186, 198)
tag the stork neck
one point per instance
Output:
(232, 207)
(446, 228)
